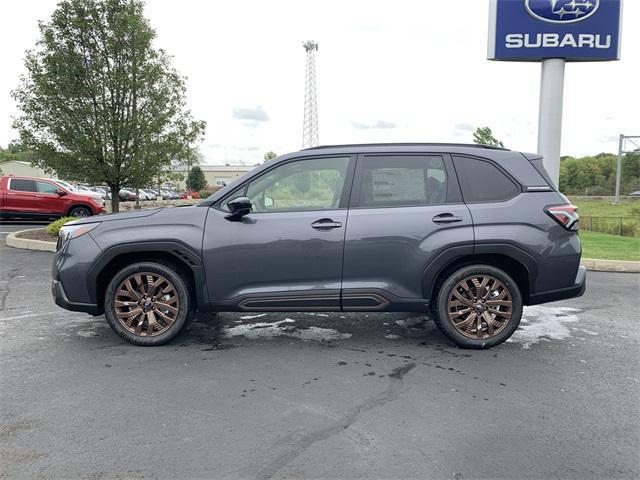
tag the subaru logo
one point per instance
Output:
(561, 11)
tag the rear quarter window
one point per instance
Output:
(481, 181)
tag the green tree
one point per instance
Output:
(196, 180)
(270, 155)
(98, 102)
(484, 136)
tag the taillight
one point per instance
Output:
(565, 215)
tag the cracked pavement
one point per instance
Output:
(298, 395)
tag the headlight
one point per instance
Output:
(68, 232)
(99, 201)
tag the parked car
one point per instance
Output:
(469, 234)
(30, 197)
(78, 189)
(127, 195)
(149, 194)
(194, 195)
(635, 194)
(169, 195)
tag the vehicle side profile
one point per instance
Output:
(29, 197)
(468, 234)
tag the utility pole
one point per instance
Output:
(310, 121)
(621, 152)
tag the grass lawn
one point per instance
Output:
(609, 247)
(603, 208)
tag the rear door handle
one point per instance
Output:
(446, 218)
(326, 224)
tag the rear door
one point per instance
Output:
(22, 196)
(405, 210)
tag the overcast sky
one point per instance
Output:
(387, 71)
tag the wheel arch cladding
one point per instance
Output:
(521, 274)
(170, 254)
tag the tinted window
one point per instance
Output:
(46, 187)
(390, 181)
(23, 185)
(301, 185)
(482, 181)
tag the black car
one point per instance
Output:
(469, 234)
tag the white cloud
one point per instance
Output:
(379, 125)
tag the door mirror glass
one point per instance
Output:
(239, 207)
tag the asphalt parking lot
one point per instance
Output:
(316, 395)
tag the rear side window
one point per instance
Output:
(22, 185)
(482, 181)
(396, 180)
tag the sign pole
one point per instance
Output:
(550, 115)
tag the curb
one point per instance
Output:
(25, 243)
(598, 265)
(592, 264)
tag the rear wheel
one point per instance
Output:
(478, 306)
(148, 303)
(80, 212)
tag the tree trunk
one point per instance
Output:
(115, 198)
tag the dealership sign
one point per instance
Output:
(574, 30)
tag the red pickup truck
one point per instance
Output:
(29, 197)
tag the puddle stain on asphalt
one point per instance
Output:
(286, 328)
(544, 324)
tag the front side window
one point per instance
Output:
(300, 185)
(482, 181)
(46, 187)
(22, 185)
(402, 180)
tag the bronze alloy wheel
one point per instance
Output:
(480, 306)
(146, 304)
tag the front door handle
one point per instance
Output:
(325, 224)
(446, 218)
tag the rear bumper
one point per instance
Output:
(576, 290)
(60, 297)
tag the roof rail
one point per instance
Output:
(417, 144)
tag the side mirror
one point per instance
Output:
(239, 207)
(61, 192)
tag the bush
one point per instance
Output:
(54, 227)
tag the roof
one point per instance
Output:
(417, 144)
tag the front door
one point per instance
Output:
(287, 253)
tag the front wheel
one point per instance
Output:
(148, 303)
(80, 212)
(478, 306)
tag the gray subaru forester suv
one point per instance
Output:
(467, 233)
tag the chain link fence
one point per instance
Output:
(621, 226)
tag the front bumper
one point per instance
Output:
(60, 297)
(576, 290)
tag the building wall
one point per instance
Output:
(23, 169)
(216, 174)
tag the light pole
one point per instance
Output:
(621, 152)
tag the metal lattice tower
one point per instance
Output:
(310, 122)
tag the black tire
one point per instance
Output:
(175, 278)
(441, 307)
(80, 212)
